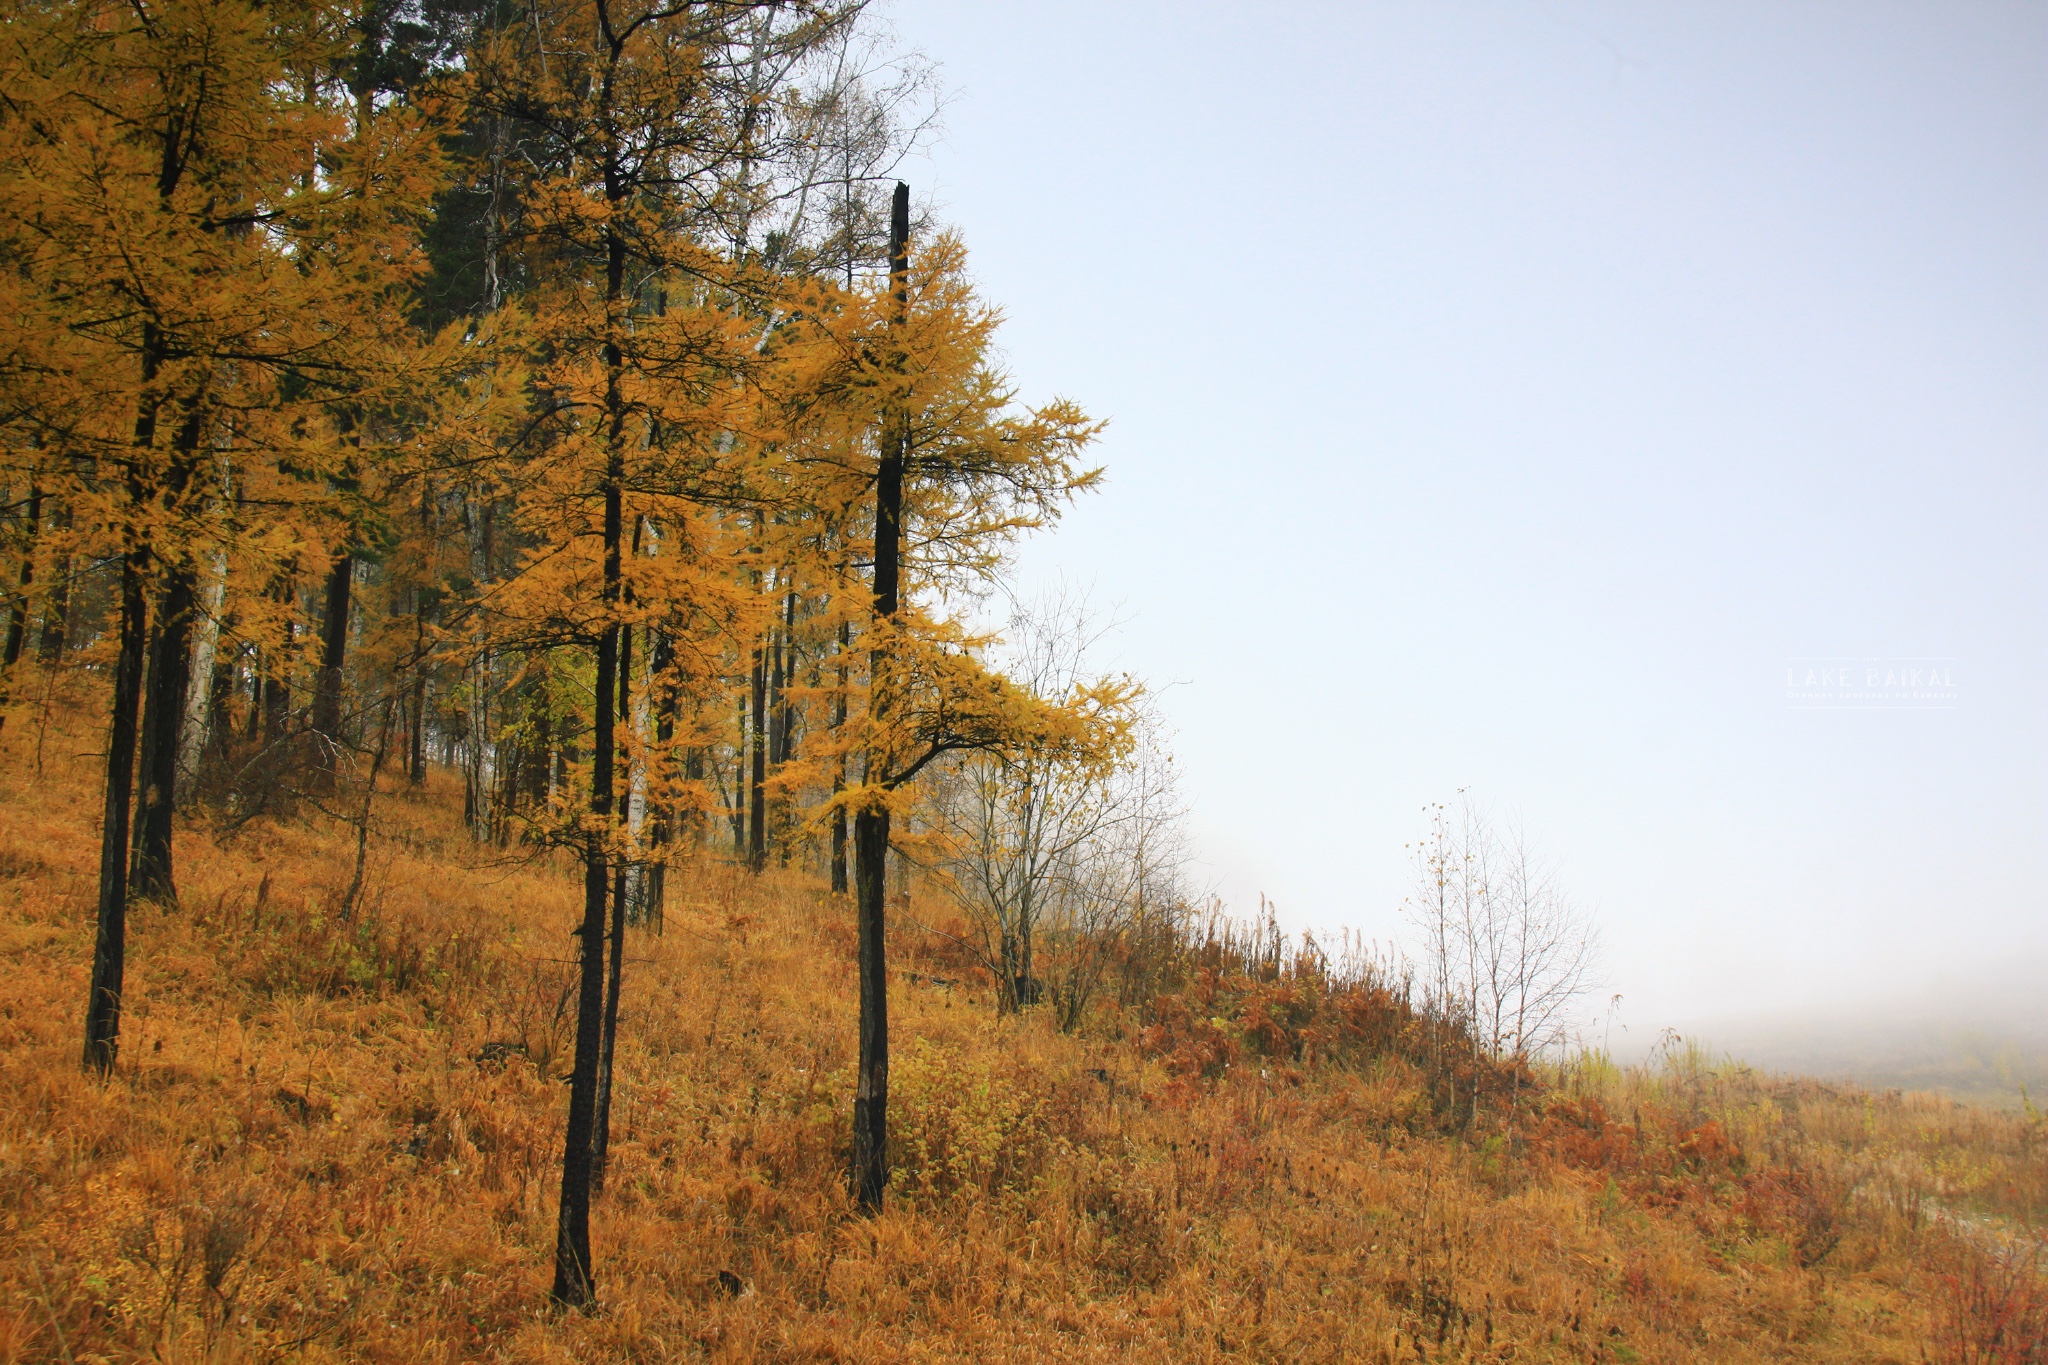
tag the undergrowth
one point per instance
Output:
(335, 1135)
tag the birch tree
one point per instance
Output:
(1506, 952)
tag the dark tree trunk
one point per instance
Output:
(575, 1284)
(537, 748)
(277, 692)
(475, 729)
(838, 846)
(871, 1085)
(110, 933)
(57, 609)
(602, 1144)
(17, 618)
(416, 768)
(277, 672)
(333, 657)
(163, 727)
(870, 1174)
(601, 1141)
(777, 683)
(839, 776)
(783, 724)
(1006, 988)
(424, 600)
(655, 910)
(220, 698)
(1029, 991)
(757, 778)
(512, 770)
(739, 789)
(109, 953)
(170, 678)
(416, 719)
(786, 661)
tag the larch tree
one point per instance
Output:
(641, 116)
(953, 472)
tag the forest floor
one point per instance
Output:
(341, 1140)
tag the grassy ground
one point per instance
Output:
(311, 1150)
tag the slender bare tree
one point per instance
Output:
(1051, 858)
(1506, 951)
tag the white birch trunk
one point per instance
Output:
(199, 693)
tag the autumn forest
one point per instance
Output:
(534, 825)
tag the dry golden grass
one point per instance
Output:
(302, 1156)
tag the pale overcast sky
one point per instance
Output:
(1507, 396)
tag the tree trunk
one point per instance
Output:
(475, 807)
(757, 778)
(333, 656)
(170, 678)
(839, 776)
(774, 698)
(575, 1284)
(17, 617)
(277, 673)
(220, 716)
(258, 670)
(538, 752)
(1027, 901)
(163, 723)
(870, 1175)
(661, 834)
(838, 845)
(1028, 992)
(57, 610)
(110, 934)
(601, 1140)
(784, 713)
(110, 937)
(199, 708)
(739, 787)
(416, 769)
(109, 951)
(871, 1086)
(601, 1145)
(1006, 989)
(416, 755)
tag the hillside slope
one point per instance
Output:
(333, 1141)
